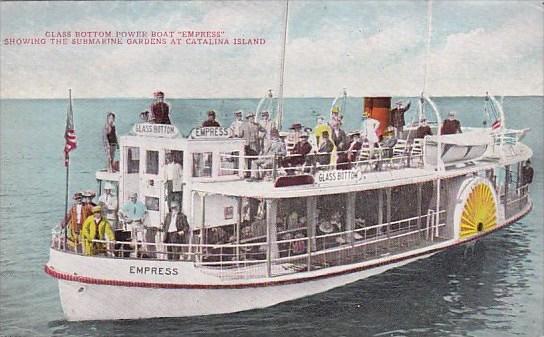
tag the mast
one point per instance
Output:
(279, 116)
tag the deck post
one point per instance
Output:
(380, 207)
(507, 174)
(350, 215)
(239, 210)
(203, 239)
(419, 201)
(312, 218)
(388, 214)
(271, 234)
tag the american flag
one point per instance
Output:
(496, 125)
(69, 133)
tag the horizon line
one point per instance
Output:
(288, 97)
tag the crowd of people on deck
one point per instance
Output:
(327, 145)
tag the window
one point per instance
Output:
(202, 164)
(152, 162)
(152, 203)
(133, 160)
(229, 163)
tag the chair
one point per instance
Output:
(400, 148)
(417, 147)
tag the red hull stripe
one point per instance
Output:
(119, 283)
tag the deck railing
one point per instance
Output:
(271, 166)
(288, 255)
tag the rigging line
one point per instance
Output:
(279, 116)
(428, 47)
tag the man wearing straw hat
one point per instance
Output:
(275, 149)
(236, 124)
(96, 227)
(249, 131)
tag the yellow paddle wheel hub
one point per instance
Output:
(479, 212)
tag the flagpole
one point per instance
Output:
(67, 164)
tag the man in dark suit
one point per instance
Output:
(176, 228)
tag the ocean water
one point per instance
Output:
(497, 290)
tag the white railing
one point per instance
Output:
(378, 159)
(229, 258)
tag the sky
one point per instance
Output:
(369, 48)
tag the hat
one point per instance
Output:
(158, 94)
(326, 227)
(452, 113)
(304, 135)
(89, 193)
(134, 195)
(264, 113)
(325, 134)
(238, 113)
(356, 134)
(335, 109)
(77, 195)
(211, 113)
(96, 209)
(250, 114)
(108, 186)
(296, 126)
(174, 204)
(423, 120)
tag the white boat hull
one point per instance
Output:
(82, 301)
(100, 288)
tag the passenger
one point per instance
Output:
(218, 236)
(109, 205)
(451, 125)
(144, 117)
(75, 218)
(96, 227)
(109, 137)
(160, 110)
(397, 117)
(354, 148)
(276, 149)
(321, 127)
(424, 129)
(527, 173)
(176, 228)
(340, 140)
(387, 145)
(370, 132)
(133, 210)
(298, 247)
(211, 122)
(336, 118)
(299, 152)
(250, 132)
(266, 127)
(133, 213)
(173, 177)
(294, 136)
(236, 124)
(325, 149)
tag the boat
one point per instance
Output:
(299, 231)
